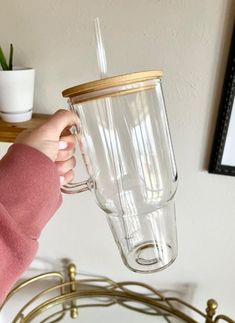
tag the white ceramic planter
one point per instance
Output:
(16, 94)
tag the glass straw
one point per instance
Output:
(112, 135)
(100, 51)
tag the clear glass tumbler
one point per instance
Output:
(128, 153)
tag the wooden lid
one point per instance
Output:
(110, 82)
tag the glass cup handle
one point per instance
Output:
(77, 187)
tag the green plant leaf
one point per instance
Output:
(11, 58)
(3, 61)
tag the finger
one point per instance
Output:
(59, 121)
(67, 178)
(66, 148)
(64, 166)
(65, 154)
(71, 140)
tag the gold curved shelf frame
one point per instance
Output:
(104, 292)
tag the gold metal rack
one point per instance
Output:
(103, 292)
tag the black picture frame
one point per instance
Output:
(224, 141)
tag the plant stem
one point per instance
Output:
(11, 57)
(3, 60)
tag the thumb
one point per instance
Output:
(46, 137)
(61, 120)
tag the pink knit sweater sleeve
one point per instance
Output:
(29, 196)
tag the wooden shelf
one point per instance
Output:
(9, 131)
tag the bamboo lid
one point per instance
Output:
(110, 82)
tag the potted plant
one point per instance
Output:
(16, 90)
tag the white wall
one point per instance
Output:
(189, 41)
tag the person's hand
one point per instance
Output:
(54, 139)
